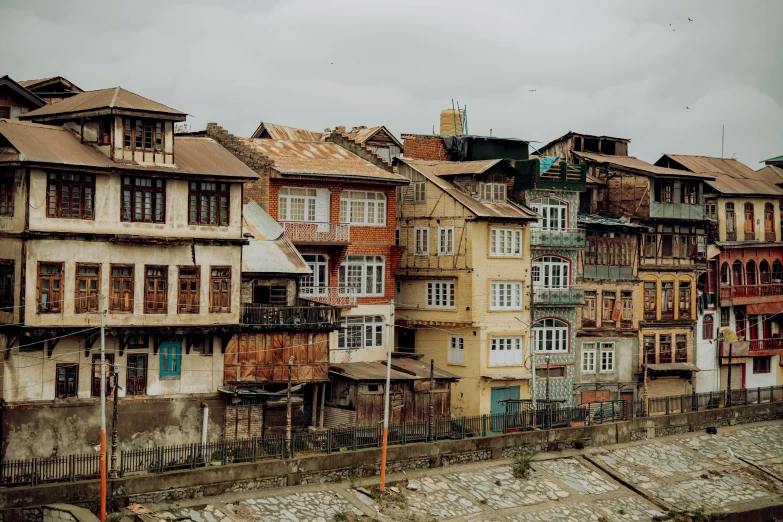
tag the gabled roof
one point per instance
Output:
(727, 185)
(771, 173)
(361, 134)
(635, 165)
(35, 85)
(115, 100)
(281, 132)
(269, 250)
(572, 133)
(707, 164)
(321, 159)
(435, 171)
(54, 145)
(19, 89)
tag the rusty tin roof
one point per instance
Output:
(728, 166)
(114, 100)
(282, 132)
(636, 165)
(401, 370)
(269, 250)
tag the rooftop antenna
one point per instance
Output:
(722, 133)
(465, 118)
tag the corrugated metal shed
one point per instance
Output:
(636, 165)
(282, 132)
(269, 250)
(53, 145)
(728, 166)
(105, 99)
(743, 187)
(319, 159)
(427, 168)
(402, 370)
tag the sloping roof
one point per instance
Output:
(115, 99)
(776, 158)
(744, 187)
(269, 250)
(323, 159)
(44, 82)
(54, 145)
(401, 370)
(428, 169)
(282, 132)
(771, 173)
(21, 91)
(572, 133)
(707, 164)
(362, 134)
(634, 164)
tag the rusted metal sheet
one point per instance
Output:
(637, 165)
(105, 100)
(402, 370)
(269, 251)
(728, 166)
(728, 185)
(273, 131)
(362, 135)
(263, 358)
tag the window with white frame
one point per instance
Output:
(588, 357)
(362, 275)
(363, 208)
(445, 241)
(506, 242)
(505, 351)
(505, 295)
(493, 192)
(421, 236)
(419, 191)
(554, 213)
(361, 332)
(317, 282)
(550, 335)
(440, 294)
(456, 349)
(550, 272)
(296, 204)
(607, 357)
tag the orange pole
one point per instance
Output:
(102, 513)
(383, 458)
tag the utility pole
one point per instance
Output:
(114, 472)
(288, 411)
(431, 400)
(728, 380)
(385, 441)
(102, 510)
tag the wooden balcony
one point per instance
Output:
(568, 296)
(305, 316)
(566, 238)
(341, 296)
(744, 291)
(312, 233)
(760, 347)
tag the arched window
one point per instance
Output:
(708, 327)
(725, 277)
(550, 335)
(750, 230)
(764, 272)
(731, 223)
(750, 273)
(736, 271)
(769, 222)
(554, 213)
(777, 271)
(550, 272)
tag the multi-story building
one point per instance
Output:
(743, 286)
(339, 209)
(463, 287)
(51, 89)
(104, 209)
(16, 100)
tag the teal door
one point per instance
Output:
(497, 409)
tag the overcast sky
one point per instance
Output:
(531, 70)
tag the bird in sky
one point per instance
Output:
(690, 20)
(687, 107)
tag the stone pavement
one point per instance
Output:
(739, 468)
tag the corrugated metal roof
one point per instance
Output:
(508, 210)
(776, 158)
(572, 133)
(112, 98)
(401, 370)
(635, 164)
(20, 89)
(771, 173)
(31, 84)
(54, 145)
(452, 168)
(743, 187)
(362, 134)
(269, 250)
(28, 83)
(729, 166)
(319, 159)
(282, 132)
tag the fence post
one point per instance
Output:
(464, 420)
(71, 470)
(159, 458)
(282, 447)
(122, 463)
(223, 453)
(328, 441)
(484, 425)
(34, 478)
(403, 435)
(353, 438)
(254, 442)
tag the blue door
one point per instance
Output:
(497, 409)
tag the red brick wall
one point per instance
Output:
(424, 147)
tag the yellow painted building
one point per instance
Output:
(463, 288)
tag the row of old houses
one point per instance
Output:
(228, 267)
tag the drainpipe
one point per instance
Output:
(204, 419)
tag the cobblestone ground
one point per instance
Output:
(570, 513)
(646, 462)
(576, 476)
(498, 487)
(709, 491)
(759, 443)
(197, 514)
(439, 498)
(317, 506)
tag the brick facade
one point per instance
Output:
(417, 146)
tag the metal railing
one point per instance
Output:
(565, 238)
(518, 417)
(331, 295)
(762, 290)
(317, 233)
(307, 316)
(763, 345)
(570, 295)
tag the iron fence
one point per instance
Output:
(517, 417)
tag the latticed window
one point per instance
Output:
(505, 242)
(296, 204)
(440, 294)
(143, 134)
(6, 196)
(364, 274)
(505, 351)
(50, 280)
(361, 332)
(550, 335)
(156, 289)
(70, 195)
(505, 295)
(220, 289)
(143, 199)
(363, 208)
(208, 203)
(121, 299)
(88, 282)
(189, 290)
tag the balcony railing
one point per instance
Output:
(733, 292)
(317, 233)
(565, 238)
(568, 296)
(331, 295)
(304, 316)
(764, 345)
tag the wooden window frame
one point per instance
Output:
(684, 298)
(762, 368)
(87, 300)
(7, 269)
(371, 272)
(607, 349)
(725, 317)
(170, 361)
(189, 290)
(202, 195)
(55, 184)
(54, 306)
(681, 348)
(421, 244)
(136, 132)
(134, 188)
(353, 331)
(419, 191)
(505, 242)
(587, 362)
(708, 326)
(220, 297)
(95, 374)
(117, 299)
(132, 381)
(138, 341)
(689, 193)
(72, 368)
(368, 218)
(457, 349)
(589, 317)
(665, 356)
(668, 300)
(769, 222)
(626, 318)
(7, 191)
(440, 295)
(505, 295)
(447, 234)
(650, 289)
(749, 226)
(731, 223)
(649, 349)
(503, 344)
(608, 304)
(152, 299)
